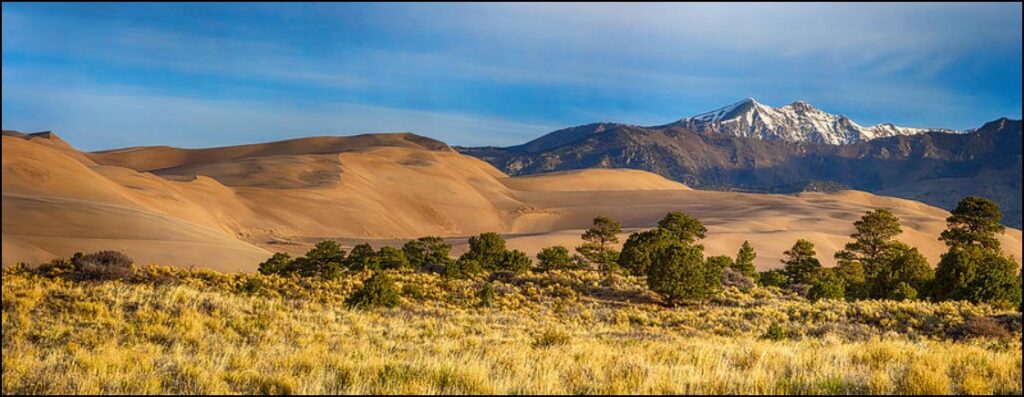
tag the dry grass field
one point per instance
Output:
(168, 330)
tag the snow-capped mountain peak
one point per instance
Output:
(796, 122)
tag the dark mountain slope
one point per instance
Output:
(937, 168)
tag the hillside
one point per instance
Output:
(229, 208)
(936, 168)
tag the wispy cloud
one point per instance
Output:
(484, 72)
(95, 121)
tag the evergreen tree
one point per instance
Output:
(801, 263)
(977, 274)
(428, 250)
(720, 261)
(900, 264)
(363, 257)
(975, 220)
(279, 263)
(639, 249)
(684, 227)
(855, 283)
(598, 244)
(873, 234)
(556, 257)
(975, 268)
(392, 258)
(826, 284)
(884, 261)
(515, 261)
(772, 278)
(326, 259)
(463, 268)
(488, 249)
(744, 262)
(678, 272)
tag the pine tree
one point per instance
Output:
(556, 257)
(392, 258)
(744, 262)
(639, 249)
(488, 249)
(598, 244)
(679, 272)
(279, 263)
(975, 220)
(363, 257)
(801, 263)
(684, 227)
(429, 250)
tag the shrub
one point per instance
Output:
(733, 278)
(552, 258)
(101, 266)
(551, 337)
(414, 291)
(903, 292)
(463, 268)
(486, 295)
(378, 290)
(252, 286)
(979, 327)
(501, 275)
(775, 332)
(802, 289)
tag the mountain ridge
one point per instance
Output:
(902, 165)
(798, 121)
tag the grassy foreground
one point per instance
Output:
(168, 330)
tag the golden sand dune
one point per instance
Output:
(229, 207)
(593, 180)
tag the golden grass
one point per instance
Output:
(173, 331)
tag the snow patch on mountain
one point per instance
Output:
(796, 122)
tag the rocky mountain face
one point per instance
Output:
(935, 167)
(796, 122)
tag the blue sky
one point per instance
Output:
(105, 76)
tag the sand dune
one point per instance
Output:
(229, 207)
